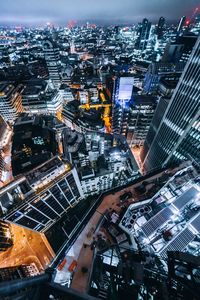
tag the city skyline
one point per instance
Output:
(33, 13)
(99, 150)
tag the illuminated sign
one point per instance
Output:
(125, 88)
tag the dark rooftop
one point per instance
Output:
(34, 141)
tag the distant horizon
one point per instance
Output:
(34, 13)
(84, 22)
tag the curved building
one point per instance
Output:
(52, 57)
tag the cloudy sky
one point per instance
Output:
(38, 12)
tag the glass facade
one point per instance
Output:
(52, 57)
(177, 136)
(40, 210)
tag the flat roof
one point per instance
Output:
(186, 198)
(157, 221)
(44, 169)
(125, 88)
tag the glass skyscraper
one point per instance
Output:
(176, 136)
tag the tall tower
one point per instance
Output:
(196, 25)
(160, 28)
(144, 31)
(181, 24)
(177, 134)
(52, 57)
(131, 114)
(121, 102)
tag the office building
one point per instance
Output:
(181, 24)
(196, 25)
(141, 112)
(157, 70)
(143, 34)
(132, 114)
(167, 85)
(157, 117)
(102, 160)
(34, 142)
(5, 133)
(6, 240)
(42, 197)
(82, 120)
(54, 102)
(5, 137)
(32, 100)
(169, 221)
(10, 101)
(160, 28)
(158, 214)
(176, 137)
(91, 110)
(164, 231)
(180, 49)
(122, 96)
(52, 57)
(66, 93)
(18, 272)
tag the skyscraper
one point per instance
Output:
(157, 70)
(177, 134)
(52, 57)
(180, 49)
(144, 31)
(132, 114)
(121, 101)
(181, 24)
(160, 28)
(196, 25)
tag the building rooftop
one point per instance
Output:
(169, 220)
(34, 87)
(144, 99)
(19, 198)
(34, 141)
(170, 82)
(98, 154)
(44, 170)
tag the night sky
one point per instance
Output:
(59, 12)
